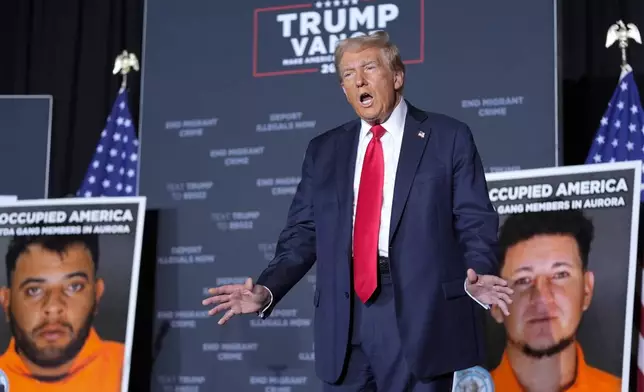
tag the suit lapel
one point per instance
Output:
(346, 149)
(411, 151)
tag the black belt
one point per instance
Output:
(383, 265)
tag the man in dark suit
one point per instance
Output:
(394, 208)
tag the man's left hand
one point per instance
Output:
(490, 290)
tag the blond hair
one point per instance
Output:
(378, 39)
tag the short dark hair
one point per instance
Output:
(523, 226)
(54, 243)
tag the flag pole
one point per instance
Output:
(620, 135)
(113, 170)
(623, 122)
(124, 63)
(621, 32)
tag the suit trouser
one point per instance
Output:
(376, 361)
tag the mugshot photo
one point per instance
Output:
(66, 293)
(565, 249)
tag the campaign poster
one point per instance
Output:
(68, 292)
(567, 247)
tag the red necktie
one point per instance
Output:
(367, 222)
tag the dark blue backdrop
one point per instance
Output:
(231, 94)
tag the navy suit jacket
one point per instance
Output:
(442, 223)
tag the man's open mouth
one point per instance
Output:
(366, 99)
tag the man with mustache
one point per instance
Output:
(545, 260)
(393, 208)
(50, 302)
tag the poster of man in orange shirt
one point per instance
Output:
(69, 293)
(567, 247)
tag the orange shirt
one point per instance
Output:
(96, 368)
(588, 378)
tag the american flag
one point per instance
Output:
(620, 137)
(114, 166)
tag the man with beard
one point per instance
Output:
(50, 302)
(544, 258)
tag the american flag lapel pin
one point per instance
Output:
(421, 134)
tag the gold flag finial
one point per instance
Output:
(124, 63)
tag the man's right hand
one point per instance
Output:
(237, 299)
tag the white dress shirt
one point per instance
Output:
(391, 143)
(391, 146)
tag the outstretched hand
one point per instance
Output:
(490, 290)
(236, 299)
